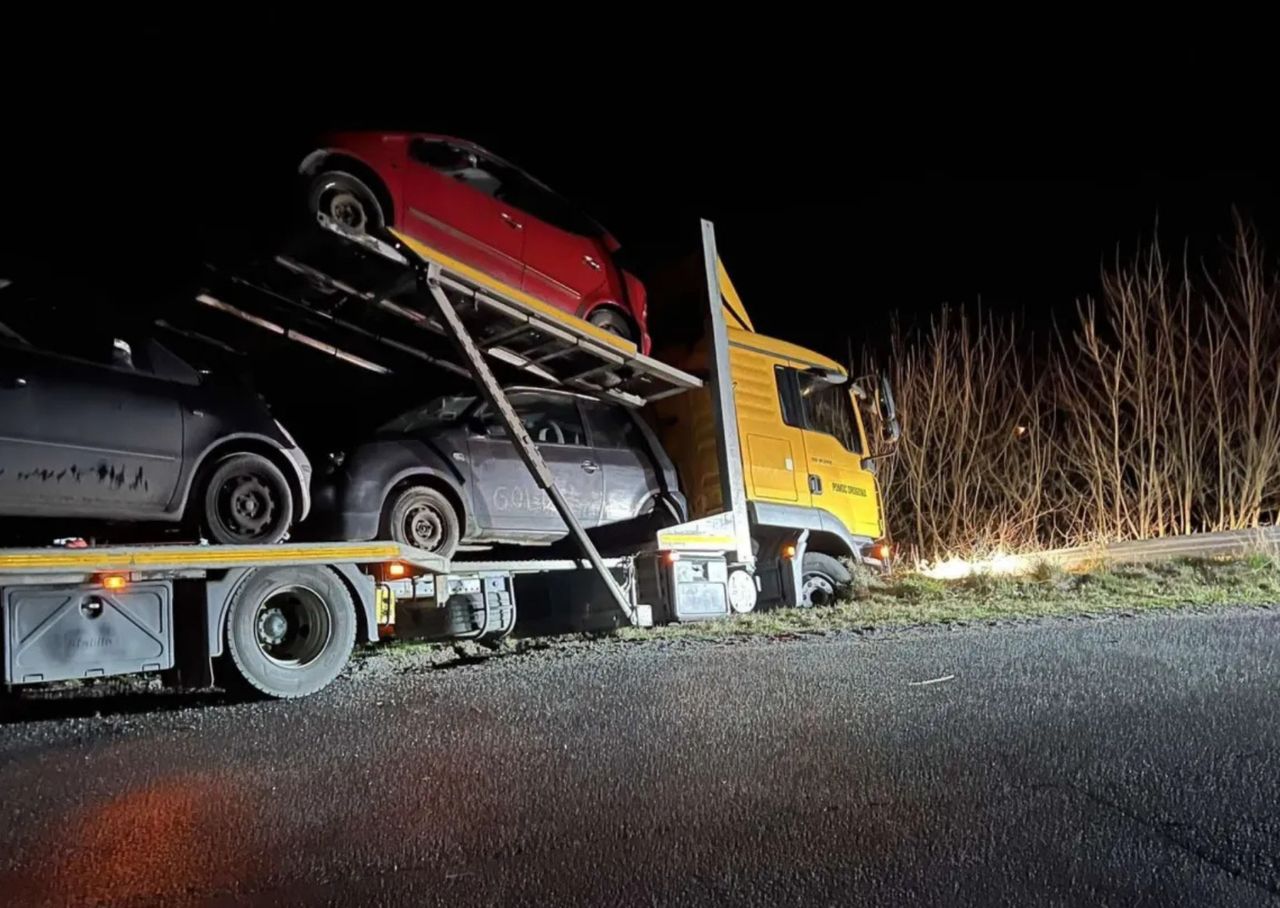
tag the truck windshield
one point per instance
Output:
(828, 408)
(440, 412)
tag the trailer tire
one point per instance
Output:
(822, 579)
(290, 630)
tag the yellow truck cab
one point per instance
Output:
(806, 471)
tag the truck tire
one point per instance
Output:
(822, 580)
(424, 518)
(290, 630)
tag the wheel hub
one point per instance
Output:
(293, 626)
(816, 590)
(272, 627)
(250, 504)
(425, 528)
(347, 210)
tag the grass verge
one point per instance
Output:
(914, 600)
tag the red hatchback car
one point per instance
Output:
(478, 209)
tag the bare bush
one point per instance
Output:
(1156, 412)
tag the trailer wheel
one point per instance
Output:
(424, 518)
(247, 501)
(822, 578)
(290, 630)
(345, 200)
(614, 322)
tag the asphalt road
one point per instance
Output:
(1126, 761)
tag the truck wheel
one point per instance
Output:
(822, 578)
(290, 630)
(614, 322)
(345, 200)
(424, 518)
(247, 501)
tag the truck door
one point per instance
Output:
(769, 425)
(834, 448)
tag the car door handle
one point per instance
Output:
(591, 263)
(590, 466)
(511, 222)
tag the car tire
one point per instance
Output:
(615, 322)
(345, 200)
(247, 501)
(289, 631)
(424, 518)
(822, 580)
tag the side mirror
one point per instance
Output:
(888, 410)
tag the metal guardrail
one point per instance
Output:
(1207, 545)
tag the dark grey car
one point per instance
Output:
(112, 430)
(446, 474)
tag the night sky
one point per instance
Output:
(836, 204)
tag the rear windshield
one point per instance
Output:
(440, 412)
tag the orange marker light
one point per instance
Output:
(670, 557)
(396, 569)
(788, 551)
(114, 581)
(882, 551)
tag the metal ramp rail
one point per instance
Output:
(330, 289)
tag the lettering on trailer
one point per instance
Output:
(77, 640)
(848, 489)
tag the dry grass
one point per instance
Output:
(914, 600)
(1156, 412)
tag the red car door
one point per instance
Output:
(564, 263)
(450, 201)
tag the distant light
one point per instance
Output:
(1020, 431)
(396, 569)
(114, 581)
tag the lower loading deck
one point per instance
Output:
(75, 613)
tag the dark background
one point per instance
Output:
(839, 199)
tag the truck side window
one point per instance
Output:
(828, 409)
(789, 396)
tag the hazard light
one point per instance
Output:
(789, 551)
(113, 581)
